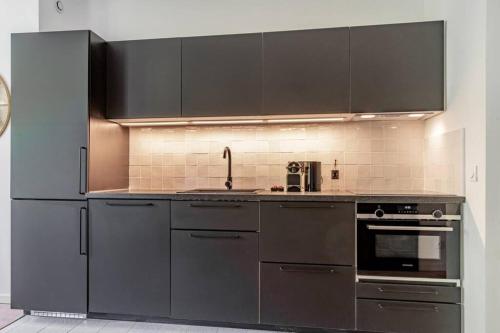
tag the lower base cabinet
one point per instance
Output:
(215, 276)
(129, 257)
(49, 255)
(408, 317)
(314, 296)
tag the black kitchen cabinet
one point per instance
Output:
(306, 71)
(129, 257)
(215, 276)
(407, 317)
(215, 215)
(408, 292)
(307, 232)
(144, 78)
(50, 104)
(49, 261)
(307, 295)
(398, 67)
(221, 75)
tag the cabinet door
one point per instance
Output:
(129, 261)
(408, 317)
(397, 67)
(221, 75)
(50, 96)
(49, 262)
(144, 79)
(306, 71)
(307, 295)
(215, 276)
(307, 232)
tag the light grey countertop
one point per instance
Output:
(264, 195)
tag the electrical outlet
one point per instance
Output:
(474, 177)
(335, 174)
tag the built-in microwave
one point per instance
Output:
(409, 242)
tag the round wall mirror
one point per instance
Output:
(4, 105)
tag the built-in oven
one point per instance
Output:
(409, 242)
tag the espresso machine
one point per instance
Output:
(303, 176)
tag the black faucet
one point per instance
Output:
(229, 181)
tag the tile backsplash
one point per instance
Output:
(371, 155)
(444, 157)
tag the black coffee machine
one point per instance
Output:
(303, 176)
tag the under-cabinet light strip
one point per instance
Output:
(230, 122)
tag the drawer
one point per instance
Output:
(215, 276)
(215, 215)
(307, 232)
(307, 296)
(408, 317)
(408, 292)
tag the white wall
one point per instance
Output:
(15, 16)
(132, 19)
(493, 165)
(466, 61)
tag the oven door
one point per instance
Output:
(409, 248)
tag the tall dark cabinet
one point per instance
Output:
(306, 71)
(57, 88)
(398, 67)
(144, 78)
(221, 75)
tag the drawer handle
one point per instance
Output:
(215, 206)
(298, 269)
(136, 204)
(416, 292)
(214, 236)
(306, 206)
(404, 308)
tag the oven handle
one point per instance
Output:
(405, 228)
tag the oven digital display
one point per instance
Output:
(407, 209)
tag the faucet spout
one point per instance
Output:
(229, 180)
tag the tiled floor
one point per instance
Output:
(7, 315)
(30, 324)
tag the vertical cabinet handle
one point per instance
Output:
(83, 171)
(83, 231)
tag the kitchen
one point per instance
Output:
(276, 180)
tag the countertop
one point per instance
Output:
(345, 196)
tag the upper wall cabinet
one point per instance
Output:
(221, 75)
(50, 119)
(397, 67)
(144, 79)
(306, 72)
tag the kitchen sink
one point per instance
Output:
(221, 191)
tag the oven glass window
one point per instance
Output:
(407, 246)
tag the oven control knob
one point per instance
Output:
(437, 214)
(379, 213)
